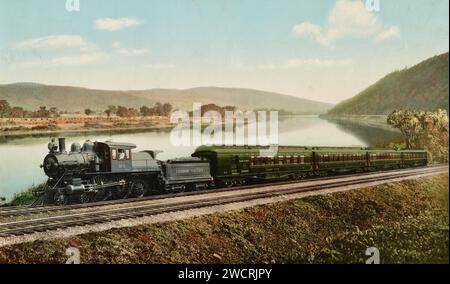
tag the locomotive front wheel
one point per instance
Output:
(137, 189)
(84, 198)
(61, 199)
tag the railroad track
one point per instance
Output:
(200, 201)
(28, 210)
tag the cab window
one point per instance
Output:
(113, 154)
(120, 154)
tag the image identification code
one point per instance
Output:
(226, 273)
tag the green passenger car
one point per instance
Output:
(336, 160)
(379, 159)
(233, 165)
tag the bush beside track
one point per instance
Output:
(406, 221)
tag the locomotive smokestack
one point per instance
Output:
(62, 145)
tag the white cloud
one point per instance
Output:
(391, 32)
(128, 51)
(141, 51)
(351, 18)
(78, 60)
(82, 59)
(315, 62)
(346, 19)
(57, 41)
(160, 66)
(310, 30)
(88, 47)
(116, 24)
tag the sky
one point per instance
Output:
(324, 50)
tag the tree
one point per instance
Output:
(5, 108)
(54, 112)
(42, 112)
(166, 109)
(18, 112)
(229, 108)
(435, 135)
(424, 129)
(112, 109)
(409, 125)
(158, 108)
(122, 111)
(108, 113)
(144, 110)
(88, 111)
(133, 112)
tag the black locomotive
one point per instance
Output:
(100, 171)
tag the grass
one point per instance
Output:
(406, 221)
(25, 197)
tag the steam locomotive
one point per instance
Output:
(99, 171)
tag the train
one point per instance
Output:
(99, 171)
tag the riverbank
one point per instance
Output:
(75, 125)
(87, 125)
(407, 221)
(83, 131)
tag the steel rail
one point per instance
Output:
(101, 216)
(27, 210)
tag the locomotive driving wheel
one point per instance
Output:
(119, 192)
(98, 180)
(101, 194)
(138, 189)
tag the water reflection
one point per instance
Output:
(372, 136)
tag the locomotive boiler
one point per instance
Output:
(59, 162)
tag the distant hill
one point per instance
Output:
(31, 96)
(422, 87)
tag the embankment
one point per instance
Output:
(407, 221)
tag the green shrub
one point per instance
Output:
(25, 197)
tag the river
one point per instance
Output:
(21, 157)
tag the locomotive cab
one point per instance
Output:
(114, 157)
